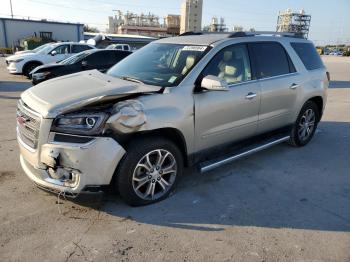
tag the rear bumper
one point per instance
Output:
(70, 168)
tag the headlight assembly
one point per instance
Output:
(82, 124)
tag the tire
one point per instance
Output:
(307, 120)
(141, 182)
(29, 67)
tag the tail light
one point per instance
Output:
(328, 76)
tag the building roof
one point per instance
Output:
(38, 21)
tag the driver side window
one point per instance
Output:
(62, 49)
(231, 64)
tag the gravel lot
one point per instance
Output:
(283, 204)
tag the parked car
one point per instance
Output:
(25, 63)
(34, 50)
(101, 60)
(196, 99)
(124, 47)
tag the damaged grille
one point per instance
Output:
(28, 124)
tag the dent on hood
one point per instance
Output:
(73, 92)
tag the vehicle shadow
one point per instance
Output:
(282, 187)
(339, 84)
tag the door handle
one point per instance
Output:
(294, 86)
(250, 95)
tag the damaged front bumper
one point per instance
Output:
(71, 168)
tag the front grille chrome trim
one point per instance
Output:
(29, 126)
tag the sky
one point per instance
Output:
(330, 22)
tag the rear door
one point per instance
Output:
(279, 84)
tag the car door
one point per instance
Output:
(60, 53)
(279, 83)
(227, 116)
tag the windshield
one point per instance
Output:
(47, 49)
(159, 64)
(40, 47)
(75, 58)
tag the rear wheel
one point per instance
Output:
(305, 126)
(29, 67)
(149, 171)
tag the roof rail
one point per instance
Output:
(191, 33)
(272, 33)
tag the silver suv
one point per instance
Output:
(194, 99)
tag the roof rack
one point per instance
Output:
(246, 34)
(271, 33)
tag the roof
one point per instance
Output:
(211, 38)
(205, 39)
(39, 21)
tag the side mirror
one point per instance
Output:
(214, 83)
(53, 53)
(84, 63)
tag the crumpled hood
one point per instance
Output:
(66, 93)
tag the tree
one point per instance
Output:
(87, 28)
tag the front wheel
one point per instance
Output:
(149, 171)
(305, 126)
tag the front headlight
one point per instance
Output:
(82, 124)
(15, 61)
(40, 75)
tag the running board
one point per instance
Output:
(210, 166)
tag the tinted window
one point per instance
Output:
(120, 55)
(271, 60)
(80, 48)
(95, 59)
(308, 54)
(230, 64)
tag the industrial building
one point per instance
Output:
(191, 16)
(294, 22)
(216, 25)
(13, 30)
(172, 23)
(131, 23)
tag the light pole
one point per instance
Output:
(11, 8)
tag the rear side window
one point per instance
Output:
(271, 59)
(308, 55)
(80, 48)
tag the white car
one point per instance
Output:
(123, 47)
(25, 63)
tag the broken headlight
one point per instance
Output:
(82, 124)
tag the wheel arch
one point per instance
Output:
(318, 100)
(169, 133)
(31, 62)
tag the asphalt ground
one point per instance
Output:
(282, 204)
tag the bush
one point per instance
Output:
(4, 50)
(347, 53)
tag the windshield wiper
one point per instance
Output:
(128, 78)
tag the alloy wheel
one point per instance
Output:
(306, 124)
(154, 175)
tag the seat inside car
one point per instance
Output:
(190, 60)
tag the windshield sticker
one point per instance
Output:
(194, 48)
(172, 79)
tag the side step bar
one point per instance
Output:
(208, 167)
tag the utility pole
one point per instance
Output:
(11, 8)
